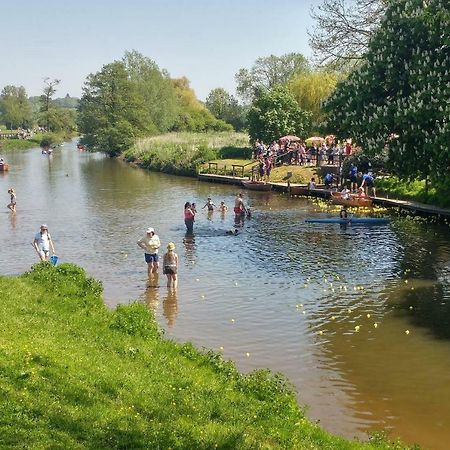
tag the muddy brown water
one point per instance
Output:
(298, 298)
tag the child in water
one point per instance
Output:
(12, 203)
(223, 208)
(170, 266)
(210, 205)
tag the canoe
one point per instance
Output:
(304, 190)
(353, 200)
(257, 185)
(4, 167)
(352, 221)
(299, 190)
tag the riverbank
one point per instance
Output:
(7, 145)
(183, 153)
(76, 374)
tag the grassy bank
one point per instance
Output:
(76, 375)
(23, 144)
(183, 153)
(413, 190)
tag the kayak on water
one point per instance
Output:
(353, 220)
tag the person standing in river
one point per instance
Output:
(189, 217)
(12, 203)
(239, 208)
(170, 266)
(43, 243)
(150, 243)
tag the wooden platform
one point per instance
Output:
(417, 208)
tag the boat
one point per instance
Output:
(352, 221)
(299, 190)
(4, 167)
(257, 185)
(352, 200)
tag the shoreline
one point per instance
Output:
(97, 368)
(409, 206)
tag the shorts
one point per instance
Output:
(151, 258)
(169, 270)
(353, 178)
(238, 210)
(369, 184)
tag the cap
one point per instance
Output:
(170, 246)
(44, 226)
(150, 230)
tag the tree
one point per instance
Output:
(111, 113)
(312, 89)
(15, 110)
(225, 107)
(343, 30)
(156, 90)
(268, 72)
(397, 102)
(276, 113)
(194, 116)
(46, 99)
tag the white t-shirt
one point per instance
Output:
(43, 241)
(151, 244)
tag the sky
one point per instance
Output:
(207, 41)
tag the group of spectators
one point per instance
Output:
(299, 153)
(22, 133)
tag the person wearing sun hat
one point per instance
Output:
(170, 266)
(150, 243)
(43, 243)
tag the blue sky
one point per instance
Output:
(207, 41)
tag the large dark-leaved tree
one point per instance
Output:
(275, 113)
(111, 113)
(397, 102)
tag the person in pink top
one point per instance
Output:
(189, 217)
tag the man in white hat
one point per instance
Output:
(150, 243)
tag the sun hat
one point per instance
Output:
(150, 230)
(170, 246)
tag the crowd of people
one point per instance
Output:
(299, 153)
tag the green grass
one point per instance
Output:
(183, 153)
(24, 144)
(75, 375)
(413, 190)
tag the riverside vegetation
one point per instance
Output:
(77, 375)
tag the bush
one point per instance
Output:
(135, 320)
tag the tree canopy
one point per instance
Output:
(276, 113)
(134, 97)
(397, 101)
(226, 107)
(343, 29)
(15, 110)
(268, 72)
(311, 89)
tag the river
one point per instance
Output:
(357, 318)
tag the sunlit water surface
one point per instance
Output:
(282, 294)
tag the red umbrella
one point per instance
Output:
(289, 138)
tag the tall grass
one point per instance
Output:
(78, 376)
(414, 190)
(183, 153)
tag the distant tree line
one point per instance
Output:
(17, 110)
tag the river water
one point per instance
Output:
(357, 318)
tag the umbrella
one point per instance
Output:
(315, 139)
(289, 138)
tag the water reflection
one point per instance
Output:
(170, 307)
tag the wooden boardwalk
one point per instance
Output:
(417, 208)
